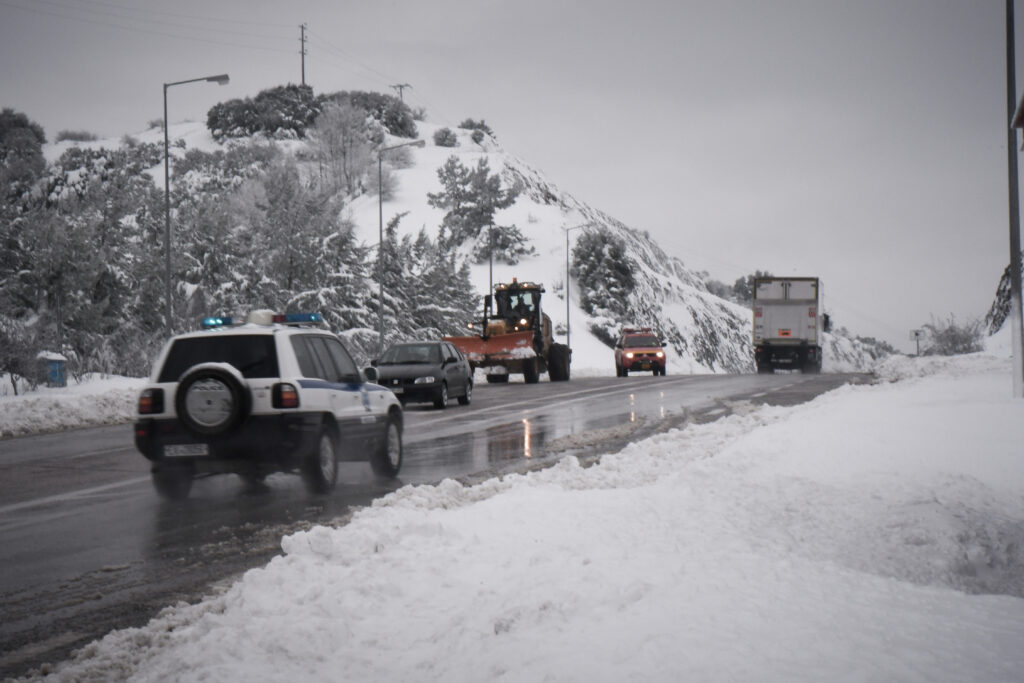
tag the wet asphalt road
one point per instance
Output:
(86, 545)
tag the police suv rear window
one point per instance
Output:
(252, 355)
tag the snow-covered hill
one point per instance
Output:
(704, 333)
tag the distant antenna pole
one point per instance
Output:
(400, 87)
(302, 51)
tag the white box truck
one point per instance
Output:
(787, 324)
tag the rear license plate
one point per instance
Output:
(180, 450)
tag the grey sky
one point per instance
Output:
(862, 142)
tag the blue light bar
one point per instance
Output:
(213, 321)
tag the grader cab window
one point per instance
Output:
(516, 304)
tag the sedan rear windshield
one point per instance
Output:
(411, 354)
(253, 355)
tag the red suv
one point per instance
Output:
(639, 349)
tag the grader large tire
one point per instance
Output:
(558, 363)
(531, 373)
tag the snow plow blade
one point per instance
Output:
(501, 349)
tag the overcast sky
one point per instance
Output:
(860, 141)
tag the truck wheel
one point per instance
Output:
(765, 369)
(387, 461)
(172, 481)
(558, 369)
(320, 467)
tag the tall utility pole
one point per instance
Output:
(400, 87)
(302, 50)
(1015, 261)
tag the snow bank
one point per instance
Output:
(874, 534)
(93, 401)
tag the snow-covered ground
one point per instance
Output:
(874, 534)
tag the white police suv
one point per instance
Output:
(276, 393)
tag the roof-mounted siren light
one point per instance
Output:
(298, 318)
(211, 322)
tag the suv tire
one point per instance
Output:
(172, 481)
(320, 467)
(212, 399)
(387, 460)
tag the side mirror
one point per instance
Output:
(373, 363)
(371, 374)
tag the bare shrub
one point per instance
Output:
(949, 338)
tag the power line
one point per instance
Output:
(137, 29)
(342, 53)
(233, 20)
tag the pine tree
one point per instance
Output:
(471, 198)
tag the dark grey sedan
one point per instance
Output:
(430, 371)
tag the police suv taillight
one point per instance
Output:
(151, 401)
(285, 395)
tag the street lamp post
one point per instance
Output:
(567, 231)
(221, 79)
(380, 244)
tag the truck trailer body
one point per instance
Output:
(787, 324)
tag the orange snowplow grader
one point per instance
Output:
(515, 336)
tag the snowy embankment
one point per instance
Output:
(92, 402)
(874, 534)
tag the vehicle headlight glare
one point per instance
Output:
(424, 380)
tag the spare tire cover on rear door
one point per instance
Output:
(212, 399)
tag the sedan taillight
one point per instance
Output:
(151, 401)
(285, 396)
